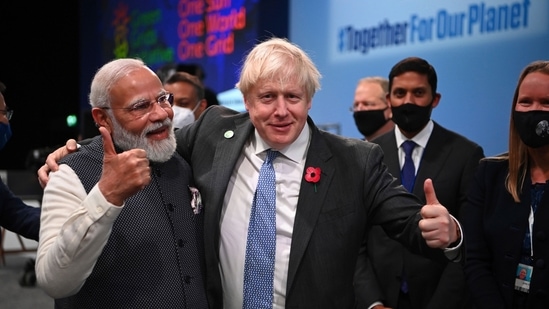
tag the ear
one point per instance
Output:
(203, 105)
(388, 112)
(101, 118)
(246, 104)
(436, 100)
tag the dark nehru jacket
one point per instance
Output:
(154, 255)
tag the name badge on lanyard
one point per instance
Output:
(524, 271)
(523, 277)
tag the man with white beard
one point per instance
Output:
(121, 222)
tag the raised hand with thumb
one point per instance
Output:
(437, 227)
(124, 174)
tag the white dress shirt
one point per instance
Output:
(420, 139)
(235, 215)
(71, 239)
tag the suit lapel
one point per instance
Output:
(310, 202)
(391, 155)
(433, 159)
(228, 150)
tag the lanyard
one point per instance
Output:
(531, 227)
(537, 193)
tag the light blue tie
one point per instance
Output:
(261, 245)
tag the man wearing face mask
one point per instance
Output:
(400, 279)
(370, 110)
(15, 215)
(189, 101)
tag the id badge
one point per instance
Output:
(523, 277)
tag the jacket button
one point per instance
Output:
(540, 263)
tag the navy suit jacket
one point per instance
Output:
(450, 160)
(331, 223)
(494, 226)
(17, 216)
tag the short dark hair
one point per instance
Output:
(2, 88)
(195, 69)
(169, 68)
(418, 65)
(191, 68)
(184, 77)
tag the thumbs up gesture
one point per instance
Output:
(437, 227)
(123, 174)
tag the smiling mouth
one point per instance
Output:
(281, 125)
(157, 131)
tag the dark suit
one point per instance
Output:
(450, 161)
(495, 226)
(17, 216)
(355, 191)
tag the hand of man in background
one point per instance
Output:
(52, 159)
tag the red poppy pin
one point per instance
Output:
(312, 174)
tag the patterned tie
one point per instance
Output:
(261, 245)
(408, 176)
(408, 173)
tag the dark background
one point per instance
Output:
(49, 52)
(39, 65)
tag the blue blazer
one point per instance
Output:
(331, 224)
(17, 216)
(494, 226)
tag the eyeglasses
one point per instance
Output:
(143, 107)
(355, 107)
(7, 112)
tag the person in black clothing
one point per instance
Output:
(15, 215)
(505, 218)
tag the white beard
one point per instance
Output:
(157, 151)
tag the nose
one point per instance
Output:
(160, 113)
(281, 106)
(409, 98)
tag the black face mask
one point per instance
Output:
(532, 127)
(368, 122)
(410, 117)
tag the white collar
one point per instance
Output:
(295, 151)
(420, 139)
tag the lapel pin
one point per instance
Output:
(229, 134)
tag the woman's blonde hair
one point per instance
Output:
(518, 155)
